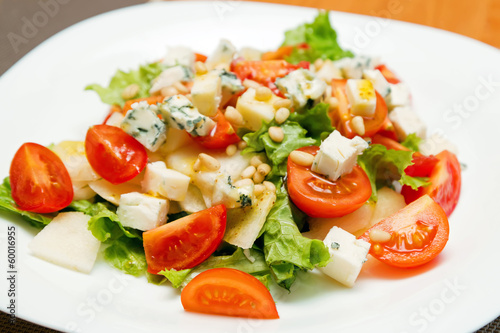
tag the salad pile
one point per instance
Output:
(227, 173)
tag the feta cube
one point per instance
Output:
(328, 72)
(143, 123)
(222, 56)
(142, 211)
(66, 241)
(171, 184)
(406, 121)
(206, 93)
(361, 96)
(302, 87)
(170, 76)
(348, 255)
(179, 112)
(255, 111)
(378, 80)
(179, 55)
(399, 96)
(229, 195)
(337, 155)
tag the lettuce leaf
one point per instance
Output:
(143, 76)
(127, 254)
(316, 121)
(8, 204)
(412, 142)
(237, 260)
(383, 166)
(285, 249)
(319, 36)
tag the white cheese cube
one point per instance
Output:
(250, 53)
(406, 121)
(66, 241)
(142, 211)
(348, 255)
(143, 124)
(352, 68)
(206, 93)
(180, 113)
(171, 184)
(229, 195)
(302, 87)
(361, 96)
(378, 80)
(399, 96)
(231, 85)
(179, 55)
(337, 155)
(222, 56)
(328, 72)
(435, 144)
(170, 76)
(255, 111)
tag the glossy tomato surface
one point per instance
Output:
(221, 136)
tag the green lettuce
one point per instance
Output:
(127, 254)
(143, 76)
(286, 250)
(315, 121)
(412, 142)
(9, 205)
(319, 36)
(383, 166)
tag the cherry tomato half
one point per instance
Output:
(221, 136)
(39, 180)
(342, 117)
(264, 71)
(115, 155)
(186, 242)
(446, 181)
(319, 197)
(388, 74)
(228, 292)
(151, 100)
(418, 233)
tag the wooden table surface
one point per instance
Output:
(479, 19)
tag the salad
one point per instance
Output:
(228, 173)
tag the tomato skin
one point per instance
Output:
(151, 100)
(221, 136)
(39, 180)
(115, 155)
(342, 117)
(419, 232)
(228, 292)
(388, 74)
(200, 57)
(194, 238)
(264, 71)
(282, 52)
(320, 197)
(446, 182)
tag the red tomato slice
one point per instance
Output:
(282, 52)
(186, 242)
(221, 136)
(228, 292)
(320, 197)
(39, 180)
(446, 181)
(418, 233)
(200, 57)
(115, 155)
(151, 100)
(265, 71)
(341, 116)
(388, 74)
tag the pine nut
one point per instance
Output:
(251, 84)
(180, 87)
(209, 162)
(258, 178)
(334, 103)
(248, 172)
(243, 182)
(197, 165)
(256, 160)
(200, 68)
(264, 169)
(379, 236)
(231, 150)
(302, 158)
(282, 115)
(318, 64)
(258, 189)
(130, 91)
(234, 116)
(276, 133)
(358, 125)
(269, 186)
(242, 145)
(263, 94)
(282, 103)
(168, 91)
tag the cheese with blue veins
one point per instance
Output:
(180, 113)
(362, 97)
(302, 87)
(337, 155)
(144, 125)
(229, 195)
(352, 68)
(142, 211)
(170, 76)
(231, 85)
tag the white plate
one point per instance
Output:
(42, 100)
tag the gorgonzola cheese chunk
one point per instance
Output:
(179, 112)
(231, 85)
(142, 211)
(352, 68)
(229, 195)
(222, 56)
(302, 87)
